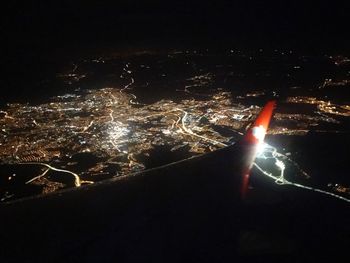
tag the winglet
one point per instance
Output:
(257, 132)
(255, 137)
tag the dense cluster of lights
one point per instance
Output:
(106, 126)
(111, 125)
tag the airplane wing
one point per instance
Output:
(253, 139)
(184, 210)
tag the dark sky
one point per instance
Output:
(47, 24)
(36, 36)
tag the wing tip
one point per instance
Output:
(257, 131)
(255, 137)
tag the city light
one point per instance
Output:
(111, 125)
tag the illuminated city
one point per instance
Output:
(88, 136)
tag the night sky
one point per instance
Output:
(49, 25)
(36, 35)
